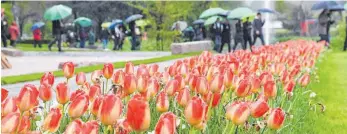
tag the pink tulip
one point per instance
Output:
(80, 78)
(47, 77)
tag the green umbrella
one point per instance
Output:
(57, 12)
(251, 17)
(83, 21)
(345, 6)
(211, 12)
(212, 20)
(240, 12)
(105, 24)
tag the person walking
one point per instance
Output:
(57, 31)
(247, 28)
(14, 32)
(239, 35)
(104, 38)
(37, 37)
(226, 36)
(4, 28)
(217, 28)
(324, 22)
(91, 38)
(258, 24)
(83, 37)
(132, 27)
(345, 46)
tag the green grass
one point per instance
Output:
(86, 69)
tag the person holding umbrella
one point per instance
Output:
(324, 22)
(226, 36)
(104, 37)
(132, 27)
(258, 24)
(217, 28)
(239, 35)
(37, 37)
(247, 28)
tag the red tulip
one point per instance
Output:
(80, 78)
(183, 70)
(183, 97)
(91, 127)
(118, 77)
(24, 125)
(68, 69)
(153, 86)
(9, 123)
(4, 94)
(162, 103)
(265, 76)
(110, 109)
(129, 68)
(142, 84)
(192, 82)
(62, 92)
(259, 108)
(96, 105)
(166, 124)
(45, 92)
(202, 86)
(52, 121)
(304, 80)
(47, 77)
(228, 78)
(27, 98)
(238, 112)
(171, 87)
(108, 70)
(255, 82)
(165, 77)
(243, 89)
(195, 111)
(289, 86)
(79, 104)
(270, 89)
(142, 71)
(216, 99)
(75, 127)
(138, 114)
(129, 84)
(172, 70)
(276, 118)
(94, 91)
(216, 84)
(8, 106)
(180, 82)
(95, 76)
(153, 69)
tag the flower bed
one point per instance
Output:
(240, 92)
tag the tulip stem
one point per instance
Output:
(263, 130)
(192, 130)
(226, 127)
(106, 86)
(236, 129)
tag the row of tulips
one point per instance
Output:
(235, 92)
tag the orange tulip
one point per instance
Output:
(142, 71)
(228, 78)
(182, 69)
(180, 81)
(172, 70)
(304, 80)
(108, 70)
(4, 94)
(45, 92)
(183, 97)
(110, 109)
(129, 68)
(216, 84)
(153, 69)
(162, 103)
(243, 89)
(138, 114)
(238, 112)
(68, 69)
(9, 123)
(52, 121)
(95, 76)
(202, 86)
(79, 104)
(171, 87)
(216, 99)
(94, 91)
(8, 106)
(142, 84)
(270, 89)
(96, 105)
(75, 127)
(192, 82)
(129, 84)
(153, 86)
(47, 77)
(24, 125)
(276, 118)
(166, 124)
(195, 111)
(80, 78)
(91, 127)
(289, 86)
(259, 108)
(255, 82)
(118, 77)
(27, 98)
(62, 92)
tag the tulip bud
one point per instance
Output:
(91, 127)
(171, 87)
(192, 82)
(153, 69)
(47, 77)
(118, 77)
(265, 76)
(183, 70)
(95, 76)
(276, 118)
(75, 127)
(166, 124)
(96, 105)
(304, 80)
(79, 104)
(129, 84)
(27, 97)
(270, 89)
(172, 70)
(45, 92)
(129, 68)
(195, 111)
(9, 123)
(162, 103)
(4, 94)
(8, 106)
(289, 86)
(216, 84)
(165, 77)
(68, 69)
(238, 112)
(62, 92)
(243, 89)
(80, 78)
(110, 109)
(181, 83)
(94, 91)
(202, 86)
(24, 125)
(142, 84)
(52, 121)
(259, 108)
(153, 86)
(255, 82)
(183, 97)
(138, 114)
(108, 70)
(228, 78)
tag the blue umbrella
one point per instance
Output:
(324, 5)
(37, 25)
(267, 10)
(133, 18)
(115, 23)
(337, 8)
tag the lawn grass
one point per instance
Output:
(86, 69)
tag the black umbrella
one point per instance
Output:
(199, 21)
(133, 18)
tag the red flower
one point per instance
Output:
(238, 112)
(68, 69)
(110, 109)
(171, 87)
(183, 97)
(4, 94)
(166, 124)
(138, 114)
(62, 92)
(27, 98)
(45, 92)
(8, 106)
(118, 77)
(52, 121)
(276, 118)
(195, 111)
(80, 78)
(129, 84)
(108, 70)
(259, 108)
(79, 104)
(270, 89)
(9, 123)
(129, 68)
(47, 77)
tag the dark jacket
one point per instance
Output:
(218, 28)
(247, 27)
(226, 33)
(56, 27)
(238, 28)
(132, 27)
(104, 34)
(258, 26)
(4, 26)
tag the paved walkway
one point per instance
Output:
(33, 62)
